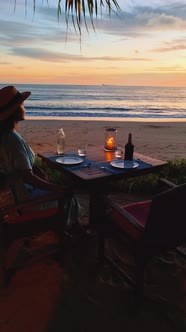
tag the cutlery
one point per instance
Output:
(110, 170)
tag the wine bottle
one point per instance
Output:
(129, 148)
(61, 142)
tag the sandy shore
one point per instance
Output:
(163, 140)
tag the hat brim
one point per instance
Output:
(7, 112)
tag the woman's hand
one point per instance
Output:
(34, 180)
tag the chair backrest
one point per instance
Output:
(166, 225)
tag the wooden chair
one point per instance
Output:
(25, 220)
(149, 226)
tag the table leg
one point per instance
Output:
(96, 207)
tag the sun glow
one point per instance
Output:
(140, 47)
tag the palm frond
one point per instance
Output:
(78, 10)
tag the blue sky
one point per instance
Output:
(143, 45)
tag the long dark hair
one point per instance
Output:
(7, 125)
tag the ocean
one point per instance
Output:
(104, 101)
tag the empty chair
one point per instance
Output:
(149, 227)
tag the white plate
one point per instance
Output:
(124, 163)
(69, 160)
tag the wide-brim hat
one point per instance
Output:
(10, 100)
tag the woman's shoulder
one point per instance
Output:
(12, 137)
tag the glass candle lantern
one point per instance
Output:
(110, 139)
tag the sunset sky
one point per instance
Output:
(143, 45)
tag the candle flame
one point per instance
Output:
(110, 143)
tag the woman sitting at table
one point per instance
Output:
(17, 158)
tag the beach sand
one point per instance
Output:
(161, 140)
(54, 292)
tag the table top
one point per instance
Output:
(96, 165)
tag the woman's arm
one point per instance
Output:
(23, 164)
(34, 180)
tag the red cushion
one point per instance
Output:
(35, 215)
(139, 211)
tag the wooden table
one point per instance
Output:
(91, 174)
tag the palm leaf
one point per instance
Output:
(77, 10)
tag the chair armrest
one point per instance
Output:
(167, 182)
(34, 202)
(29, 203)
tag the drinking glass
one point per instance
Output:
(119, 152)
(82, 150)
